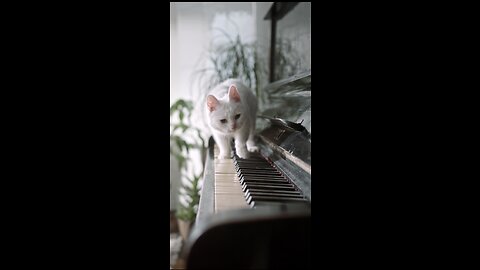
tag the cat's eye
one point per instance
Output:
(237, 116)
(223, 121)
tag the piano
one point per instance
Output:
(255, 213)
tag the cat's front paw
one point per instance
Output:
(251, 147)
(242, 153)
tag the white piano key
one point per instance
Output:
(228, 191)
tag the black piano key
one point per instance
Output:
(246, 186)
(262, 168)
(259, 204)
(262, 180)
(266, 167)
(259, 177)
(274, 191)
(257, 169)
(275, 194)
(265, 174)
(255, 166)
(278, 178)
(273, 199)
(263, 184)
(268, 187)
(251, 160)
(254, 197)
(252, 163)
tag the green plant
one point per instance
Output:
(237, 59)
(231, 59)
(184, 138)
(191, 191)
(288, 60)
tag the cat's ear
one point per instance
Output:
(233, 93)
(212, 103)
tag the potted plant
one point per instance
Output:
(233, 58)
(184, 137)
(186, 213)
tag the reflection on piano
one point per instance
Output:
(255, 213)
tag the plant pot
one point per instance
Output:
(173, 223)
(184, 228)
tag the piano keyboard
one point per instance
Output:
(227, 186)
(251, 183)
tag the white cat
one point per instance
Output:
(232, 108)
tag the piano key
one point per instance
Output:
(273, 199)
(244, 188)
(274, 195)
(273, 192)
(256, 168)
(268, 179)
(269, 183)
(252, 182)
(226, 187)
(266, 167)
(259, 176)
(254, 162)
(260, 204)
(270, 174)
(288, 193)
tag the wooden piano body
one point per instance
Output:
(238, 225)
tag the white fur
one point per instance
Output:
(227, 106)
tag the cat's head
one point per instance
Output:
(226, 114)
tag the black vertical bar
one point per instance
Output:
(272, 41)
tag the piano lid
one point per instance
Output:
(285, 116)
(284, 127)
(291, 139)
(288, 99)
